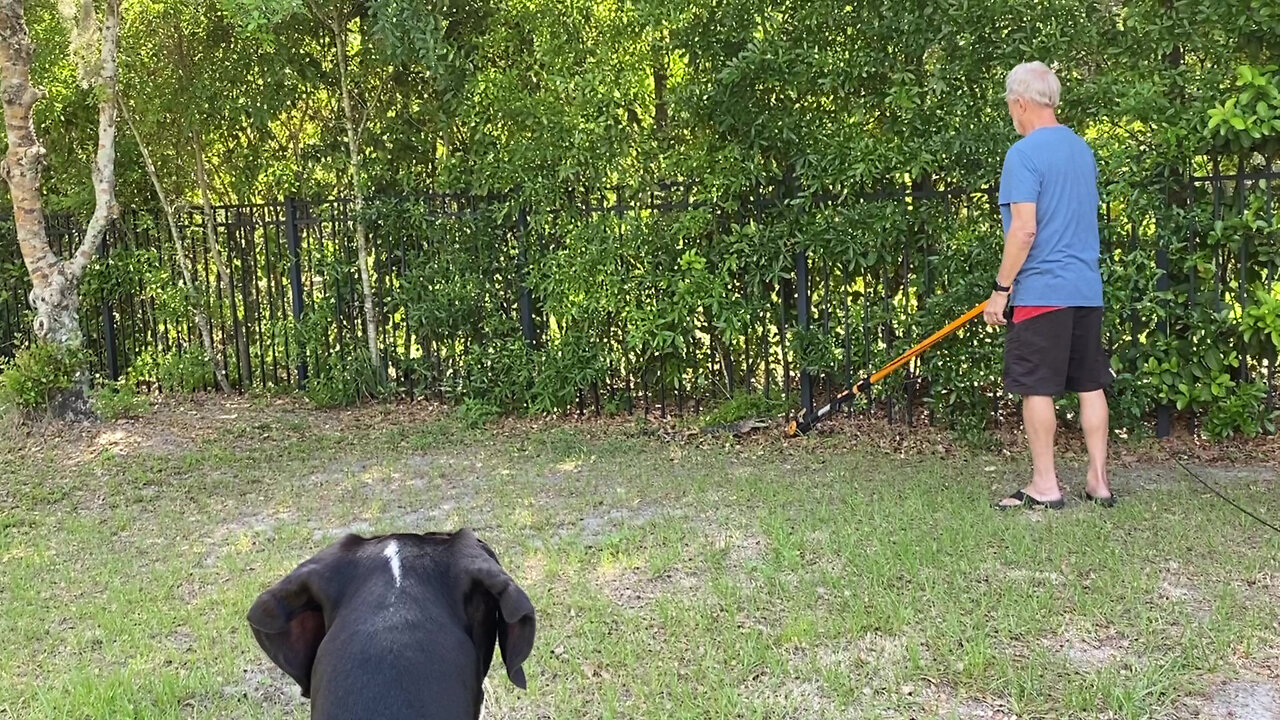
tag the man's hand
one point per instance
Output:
(994, 312)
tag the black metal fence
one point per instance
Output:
(814, 287)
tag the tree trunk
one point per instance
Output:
(21, 169)
(357, 191)
(55, 282)
(224, 274)
(184, 263)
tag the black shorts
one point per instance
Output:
(1056, 352)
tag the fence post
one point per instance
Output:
(109, 320)
(1243, 297)
(802, 319)
(525, 300)
(1163, 413)
(295, 280)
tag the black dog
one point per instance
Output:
(398, 626)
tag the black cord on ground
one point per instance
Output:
(1224, 497)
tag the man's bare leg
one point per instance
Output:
(1094, 422)
(1040, 420)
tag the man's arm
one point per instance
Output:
(1017, 242)
(1017, 245)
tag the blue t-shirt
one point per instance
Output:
(1055, 169)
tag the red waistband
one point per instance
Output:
(1026, 312)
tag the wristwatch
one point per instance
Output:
(1002, 288)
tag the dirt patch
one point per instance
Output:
(1178, 590)
(876, 656)
(359, 528)
(1266, 585)
(743, 552)
(1248, 699)
(134, 437)
(247, 529)
(593, 529)
(635, 590)
(266, 685)
(190, 590)
(182, 639)
(346, 470)
(941, 701)
(1090, 654)
(998, 574)
(457, 509)
(531, 570)
(877, 650)
(804, 699)
(180, 423)
(1162, 473)
(864, 432)
(443, 472)
(260, 524)
(562, 471)
(426, 520)
(748, 551)
(417, 493)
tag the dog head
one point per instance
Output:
(290, 619)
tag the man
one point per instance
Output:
(1048, 290)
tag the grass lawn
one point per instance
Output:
(816, 578)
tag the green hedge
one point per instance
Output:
(684, 306)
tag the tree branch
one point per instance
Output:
(184, 263)
(104, 167)
(363, 122)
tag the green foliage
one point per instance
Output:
(1241, 412)
(474, 414)
(499, 373)
(744, 405)
(1249, 119)
(181, 371)
(114, 401)
(1260, 323)
(734, 98)
(343, 379)
(35, 376)
(257, 16)
(561, 371)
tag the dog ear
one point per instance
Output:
(516, 619)
(288, 618)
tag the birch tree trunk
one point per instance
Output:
(55, 281)
(224, 274)
(357, 191)
(184, 263)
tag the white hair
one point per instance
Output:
(1033, 81)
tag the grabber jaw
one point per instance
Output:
(793, 429)
(800, 426)
(805, 423)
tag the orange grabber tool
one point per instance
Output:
(805, 424)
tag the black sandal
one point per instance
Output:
(1031, 503)
(1109, 501)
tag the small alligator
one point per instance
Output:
(742, 427)
(737, 429)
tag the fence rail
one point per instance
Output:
(837, 283)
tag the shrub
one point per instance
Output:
(185, 370)
(743, 406)
(1242, 411)
(344, 379)
(113, 401)
(39, 373)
